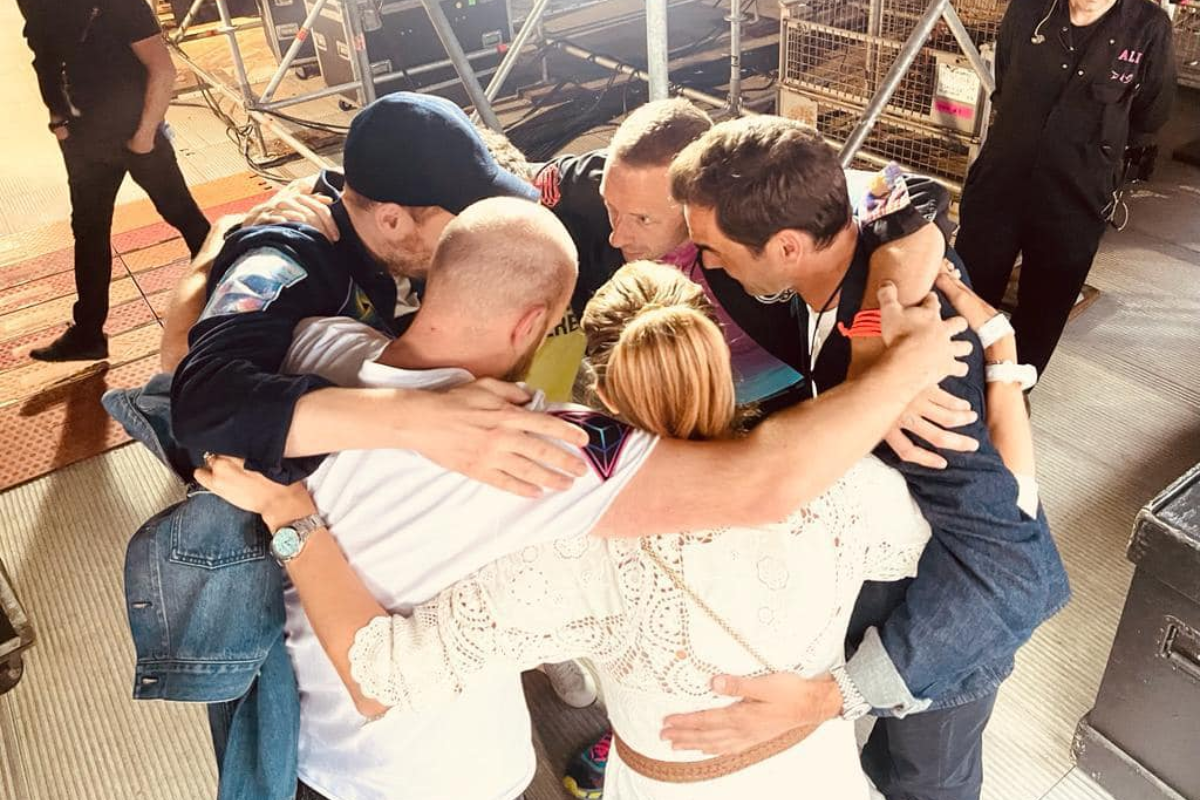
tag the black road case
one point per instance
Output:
(281, 22)
(1141, 741)
(401, 39)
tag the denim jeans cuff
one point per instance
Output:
(879, 682)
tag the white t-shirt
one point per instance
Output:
(410, 529)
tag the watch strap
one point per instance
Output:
(854, 705)
(308, 524)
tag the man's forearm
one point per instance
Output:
(787, 461)
(335, 419)
(160, 86)
(187, 301)
(841, 425)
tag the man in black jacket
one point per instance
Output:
(1081, 88)
(107, 78)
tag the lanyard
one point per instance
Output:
(809, 357)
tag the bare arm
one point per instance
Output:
(758, 475)
(187, 301)
(478, 429)
(1007, 420)
(160, 86)
(333, 595)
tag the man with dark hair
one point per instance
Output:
(107, 78)
(765, 200)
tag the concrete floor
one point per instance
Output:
(1117, 418)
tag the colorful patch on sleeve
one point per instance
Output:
(606, 439)
(253, 284)
(886, 194)
(549, 182)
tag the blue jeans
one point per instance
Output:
(206, 614)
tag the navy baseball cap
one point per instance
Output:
(421, 150)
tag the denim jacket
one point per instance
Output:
(205, 605)
(989, 576)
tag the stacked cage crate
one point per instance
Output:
(1187, 44)
(834, 54)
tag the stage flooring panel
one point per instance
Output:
(78, 734)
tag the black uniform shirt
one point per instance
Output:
(1067, 107)
(228, 395)
(83, 57)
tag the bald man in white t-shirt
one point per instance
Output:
(501, 277)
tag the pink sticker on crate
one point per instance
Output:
(962, 110)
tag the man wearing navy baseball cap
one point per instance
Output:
(412, 162)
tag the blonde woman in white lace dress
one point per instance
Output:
(659, 617)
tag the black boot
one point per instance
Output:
(73, 346)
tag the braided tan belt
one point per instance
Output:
(709, 768)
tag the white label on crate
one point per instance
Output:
(381, 67)
(288, 31)
(343, 50)
(319, 41)
(284, 2)
(332, 11)
(958, 85)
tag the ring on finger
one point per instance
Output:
(208, 458)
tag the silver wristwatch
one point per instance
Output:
(288, 542)
(854, 705)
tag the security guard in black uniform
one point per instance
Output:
(1081, 86)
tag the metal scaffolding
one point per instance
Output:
(258, 107)
(905, 80)
(1187, 44)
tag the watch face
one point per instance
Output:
(285, 543)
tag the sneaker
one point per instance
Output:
(572, 683)
(585, 773)
(73, 346)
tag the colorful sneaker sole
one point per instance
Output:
(583, 794)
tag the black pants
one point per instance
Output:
(1056, 256)
(937, 755)
(95, 170)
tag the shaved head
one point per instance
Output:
(501, 256)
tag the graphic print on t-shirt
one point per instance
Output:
(759, 375)
(606, 439)
(253, 283)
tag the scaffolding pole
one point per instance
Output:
(466, 73)
(696, 95)
(657, 54)
(735, 56)
(283, 133)
(294, 50)
(936, 11)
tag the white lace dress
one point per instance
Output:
(787, 589)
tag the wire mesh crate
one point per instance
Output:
(1187, 44)
(836, 53)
